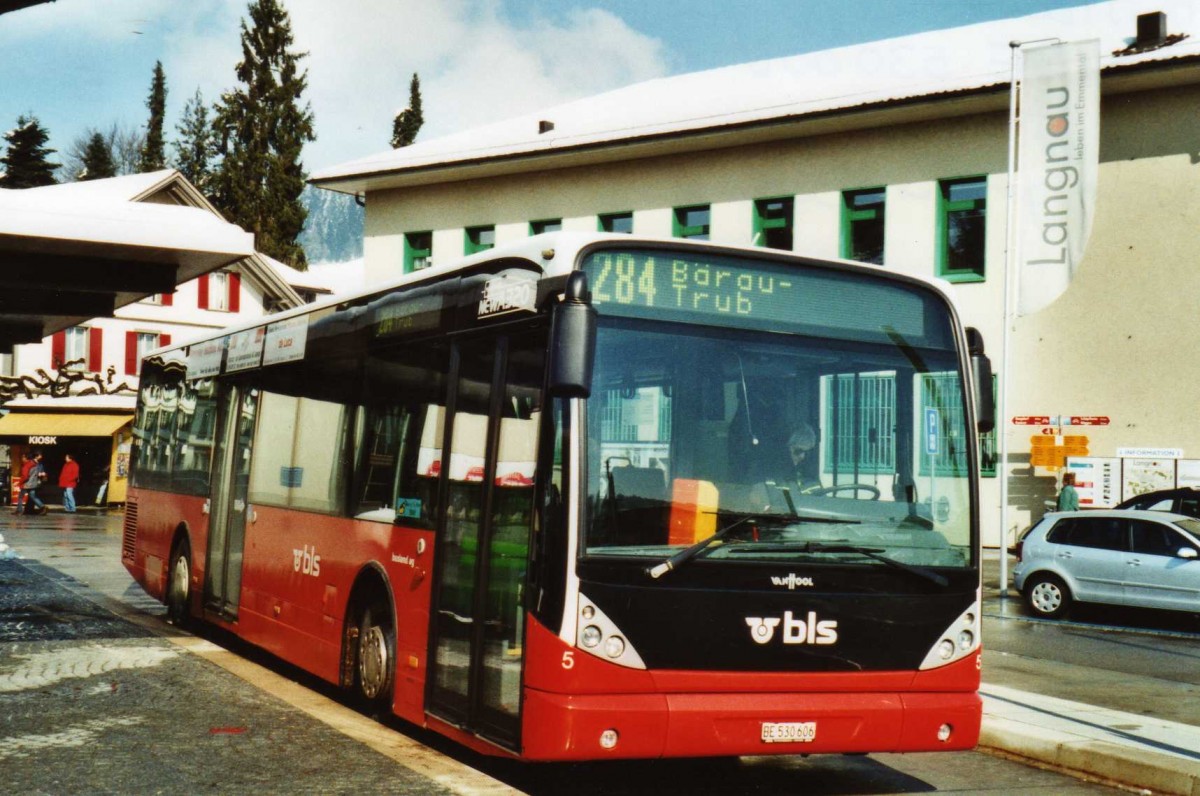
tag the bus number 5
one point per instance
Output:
(569, 659)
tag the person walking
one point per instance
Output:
(68, 479)
(26, 466)
(1068, 498)
(35, 475)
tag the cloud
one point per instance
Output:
(475, 65)
(476, 62)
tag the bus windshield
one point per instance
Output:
(828, 430)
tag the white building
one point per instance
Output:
(103, 354)
(873, 152)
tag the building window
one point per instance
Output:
(617, 222)
(220, 291)
(479, 239)
(962, 224)
(773, 223)
(545, 225)
(692, 222)
(79, 344)
(418, 251)
(860, 416)
(862, 225)
(137, 345)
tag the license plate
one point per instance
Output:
(789, 732)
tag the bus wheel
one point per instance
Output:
(179, 585)
(376, 653)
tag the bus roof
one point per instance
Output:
(555, 254)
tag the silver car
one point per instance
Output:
(1146, 559)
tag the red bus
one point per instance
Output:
(591, 496)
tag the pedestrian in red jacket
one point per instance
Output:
(68, 479)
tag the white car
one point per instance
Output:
(1147, 559)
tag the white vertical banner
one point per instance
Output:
(1058, 156)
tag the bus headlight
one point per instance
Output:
(614, 646)
(590, 636)
(945, 649)
(966, 640)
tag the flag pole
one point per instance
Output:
(1011, 275)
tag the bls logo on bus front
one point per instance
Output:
(809, 630)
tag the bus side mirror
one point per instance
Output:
(981, 375)
(573, 341)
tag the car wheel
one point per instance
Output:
(179, 585)
(1047, 596)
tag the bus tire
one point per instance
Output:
(179, 585)
(375, 654)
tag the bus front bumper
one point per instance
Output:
(601, 726)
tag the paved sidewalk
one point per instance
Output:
(1153, 754)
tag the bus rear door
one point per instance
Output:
(228, 501)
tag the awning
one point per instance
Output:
(43, 424)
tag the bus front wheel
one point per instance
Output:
(376, 654)
(179, 585)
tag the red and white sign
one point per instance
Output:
(1031, 420)
(1088, 420)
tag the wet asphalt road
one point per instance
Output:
(99, 695)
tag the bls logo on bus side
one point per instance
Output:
(307, 561)
(809, 630)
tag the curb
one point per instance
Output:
(1091, 758)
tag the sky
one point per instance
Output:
(82, 65)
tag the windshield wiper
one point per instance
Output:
(688, 553)
(839, 547)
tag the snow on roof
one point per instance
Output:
(35, 213)
(337, 278)
(923, 64)
(125, 188)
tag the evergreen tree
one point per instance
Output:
(261, 129)
(195, 148)
(153, 157)
(98, 159)
(25, 163)
(408, 122)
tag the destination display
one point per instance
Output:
(733, 291)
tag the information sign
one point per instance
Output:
(1097, 480)
(1139, 476)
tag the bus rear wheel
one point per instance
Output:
(179, 585)
(375, 655)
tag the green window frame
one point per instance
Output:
(616, 222)
(692, 222)
(545, 225)
(962, 228)
(943, 392)
(863, 224)
(860, 418)
(478, 239)
(773, 220)
(418, 251)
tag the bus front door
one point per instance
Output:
(484, 536)
(227, 502)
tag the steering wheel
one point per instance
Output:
(872, 491)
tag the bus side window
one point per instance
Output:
(401, 428)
